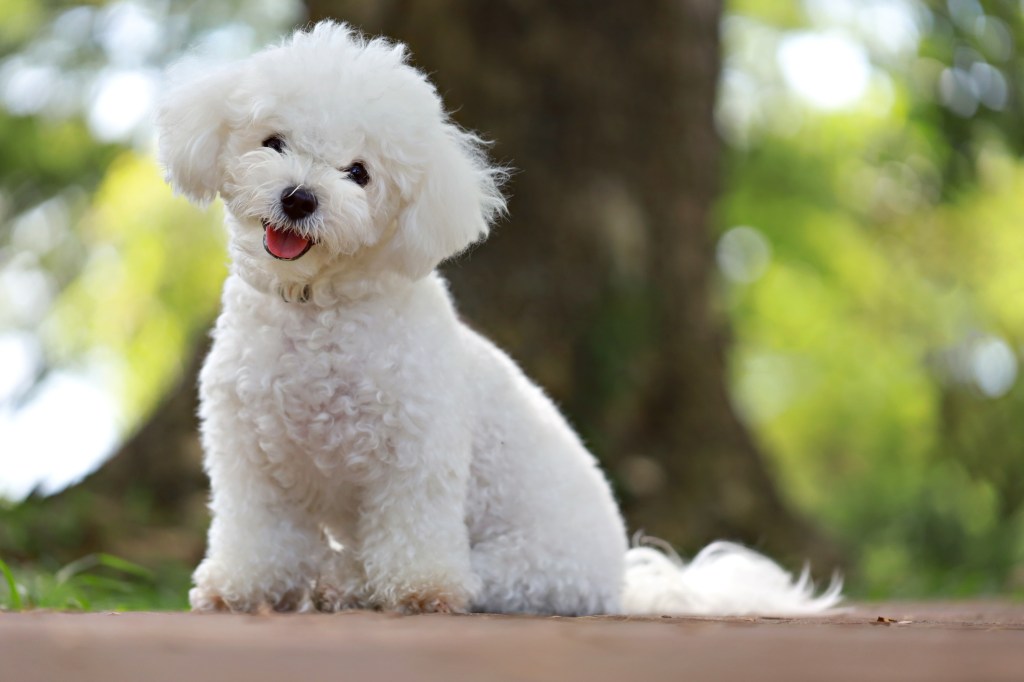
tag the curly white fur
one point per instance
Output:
(365, 447)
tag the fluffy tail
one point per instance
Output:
(724, 579)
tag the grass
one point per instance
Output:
(95, 582)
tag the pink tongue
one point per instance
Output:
(284, 244)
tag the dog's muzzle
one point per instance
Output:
(283, 243)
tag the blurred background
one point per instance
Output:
(766, 257)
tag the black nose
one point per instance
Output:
(297, 203)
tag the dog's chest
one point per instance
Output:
(310, 391)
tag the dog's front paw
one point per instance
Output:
(205, 600)
(330, 599)
(421, 599)
(434, 591)
(211, 595)
(431, 603)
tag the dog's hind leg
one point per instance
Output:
(518, 576)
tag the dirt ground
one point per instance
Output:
(976, 641)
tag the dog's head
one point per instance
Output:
(332, 155)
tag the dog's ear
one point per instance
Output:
(456, 200)
(192, 128)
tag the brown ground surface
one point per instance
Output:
(976, 641)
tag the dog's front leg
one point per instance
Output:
(413, 537)
(263, 552)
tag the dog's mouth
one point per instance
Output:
(283, 243)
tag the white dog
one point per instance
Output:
(366, 448)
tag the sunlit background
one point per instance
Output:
(869, 249)
(101, 284)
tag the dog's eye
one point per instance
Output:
(274, 142)
(357, 173)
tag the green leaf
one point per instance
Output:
(12, 586)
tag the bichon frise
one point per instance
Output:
(366, 448)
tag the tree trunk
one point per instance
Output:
(599, 283)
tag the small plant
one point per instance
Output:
(94, 582)
(13, 600)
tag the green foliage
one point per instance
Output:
(968, 77)
(896, 250)
(150, 286)
(96, 582)
(43, 156)
(128, 276)
(14, 601)
(18, 18)
(774, 13)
